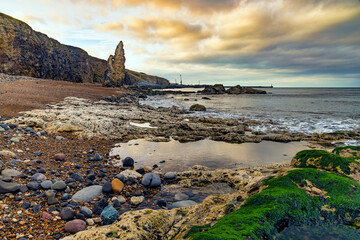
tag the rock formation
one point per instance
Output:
(115, 74)
(244, 90)
(25, 52)
(216, 89)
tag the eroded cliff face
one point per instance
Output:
(26, 52)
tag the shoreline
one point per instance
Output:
(80, 128)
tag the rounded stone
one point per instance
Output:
(136, 200)
(151, 180)
(181, 197)
(33, 185)
(169, 175)
(10, 173)
(75, 226)
(46, 215)
(38, 177)
(117, 186)
(87, 194)
(86, 212)
(185, 203)
(107, 187)
(59, 157)
(59, 186)
(121, 177)
(128, 162)
(67, 214)
(109, 215)
(197, 107)
(8, 187)
(46, 184)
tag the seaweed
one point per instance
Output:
(286, 202)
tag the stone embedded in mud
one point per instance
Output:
(75, 226)
(151, 180)
(109, 215)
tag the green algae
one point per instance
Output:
(285, 203)
(324, 160)
(113, 234)
(339, 149)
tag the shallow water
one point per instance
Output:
(180, 156)
(339, 232)
(306, 110)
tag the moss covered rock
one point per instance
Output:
(302, 197)
(345, 165)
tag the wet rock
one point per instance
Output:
(162, 203)
(216, 89)
(75, 226)
(67, 214)
(198, 107)
(181, 197)
(185, 203)
(109, 215)
(87, 194)
(151, 180)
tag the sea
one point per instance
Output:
(304, 110)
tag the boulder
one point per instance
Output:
(198, 107)
(216, 89)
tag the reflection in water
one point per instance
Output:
(180, 156)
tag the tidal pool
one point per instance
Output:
(213, 154)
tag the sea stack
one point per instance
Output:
(115, 74)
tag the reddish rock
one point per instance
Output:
(59, 157)
(117, 186)
(46, 215)
(75, 226)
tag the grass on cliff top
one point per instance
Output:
(283, 203)
(325, 160)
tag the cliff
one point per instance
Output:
(26, 52)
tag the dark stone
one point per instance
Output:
(18, 198)
(116, 203)
(99, 206)
(128, 162)
(65, 197)
(25, 205)
(162, 203)
(33, 185)
(80, 216)
(198, 107)
(36, 208)
(109, 215)
(141, 171)
(151, 180)
(67, 214)
(107, 187)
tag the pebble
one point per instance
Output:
(38, 177)
(121, 177)
(14, 140)
(96, 157)
(59, 186)
(151, 180)
(185, 203)
(169, 175)
(46, 184)
(131, 174)
(67, 214)
(87, 194)
(107, 187)
(161, 203)
(90, 222)
(86, 212)
(136, 200)
(117, 186)
(109, 215)
(8, 187)
(99, 206)
(46, 215)
(33, 185)
(128, 162)
(75, 226)
(25, 205)
(59, 157)
(181, 197)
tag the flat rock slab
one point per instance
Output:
(186, 203)
(8, 187)
(87, 194)
(10, 173)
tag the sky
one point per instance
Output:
(286, 43)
